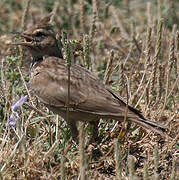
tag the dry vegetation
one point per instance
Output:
(131, 45)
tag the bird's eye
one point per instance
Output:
(39, 34)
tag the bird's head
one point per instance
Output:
(41, 40)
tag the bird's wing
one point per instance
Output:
(87, 92)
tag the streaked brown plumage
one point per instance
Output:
(90, 99)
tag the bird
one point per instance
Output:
(89, 99)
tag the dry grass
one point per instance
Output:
(134, 49)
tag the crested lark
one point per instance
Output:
(90, 99)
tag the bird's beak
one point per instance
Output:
(28, 41)
(27, 38)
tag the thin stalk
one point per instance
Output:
(118, 159)
(25, 14)
(82, 21)
(62, 167)
(155, 59)
(130, 161)
(169, 69)
(82, 153)
(145, 173)
(86, 51)
(109, 67)
(67, 56)
(156, 163)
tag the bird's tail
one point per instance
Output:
(150, 125)
(135, 116)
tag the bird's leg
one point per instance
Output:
(73, 129)
(94, 135)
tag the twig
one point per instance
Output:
(118, 159)
(25, 85)
(67, 57)
(156, 162)
(155, 59)
(130, 161)
(86, 52)
(145, 173)
(173, 174)
(104, 157)
(82, 153)
(54, 11)
(95, 18)
(169, 68)
(109, 67)
(82, 21)
(121, 133)
(62, 167)
(25, 14)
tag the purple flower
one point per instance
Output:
(12, 121)
(14, 108)
(19, 103)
